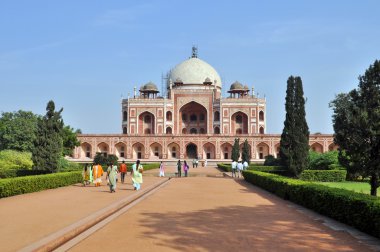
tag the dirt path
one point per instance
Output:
(30, 217)
(216, 214)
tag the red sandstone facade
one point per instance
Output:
(191, 121)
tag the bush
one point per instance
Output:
(323, 161)
(280, 170)
(270, 160)
(355, 209)
(66, 166)
(225, 167)
(21, 185)
(324, 176)
(147, 166)
(12, 173)
(11, 159)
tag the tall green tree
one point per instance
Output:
(69, 140)
(301, 148)
(294, 143)
(18, 130)
(356, 122)
(48, 144)
(245, 154)
(235, 150)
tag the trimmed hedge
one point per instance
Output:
(225, 167)
(28, 184)
(358, 210)
(324, 175)
(147, 166)
(12, 173)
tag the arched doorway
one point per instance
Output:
(121, 150)
(193, 116)
(138, 151)
(209, 151)
(226, 151)
(146, 123)
(239, 123)
(173, 151)
(155, 151)
(317, 147)
(85, 150)
(191, 151)
(262, 150)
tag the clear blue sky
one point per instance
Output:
(85, 54)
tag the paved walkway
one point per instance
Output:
(216, 214)
(30, 217)
(204, 212)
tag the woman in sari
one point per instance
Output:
(162, 171)
(185, 168)
(137, 175)
(112, 175)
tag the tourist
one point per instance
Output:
(137, 175)
(233, 168)
(179, 168)
(112, 175)
(86, 175)
(123, 171)
(205, 162)
(239, 168)
(162, 171)
(194, 162)
(97, 173)
(185, 167)
(245, 165)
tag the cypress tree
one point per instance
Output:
(48, 144)
(287, 141)
(245, 155)
(235, 150)
(294, 144)
(301, 148)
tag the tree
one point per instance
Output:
(104, 160)
(235, 150)
(48, 144)
(70, 140)
(301, 146)
(18, 130)
(356, 122)
(294, 143)
(246, 155)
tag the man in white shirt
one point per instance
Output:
(239, 168)
(245, 165)
(233, 168)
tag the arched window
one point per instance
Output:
(239, 119)
(147, 119)
(125, 131)
(202, 131)
(125, 116)
(216, 130)
(261, 116)
(174, 152)
(202, 117)
(193, 118)
(261, 130)
(193, 131)
(184, 117)
(168, 116)
(168, 130)
(184, 131)
(216, 116)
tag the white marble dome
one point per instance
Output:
(195, 71)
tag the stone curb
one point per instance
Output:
(62, 236)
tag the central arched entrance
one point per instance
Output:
(193, 119)
(191, 151)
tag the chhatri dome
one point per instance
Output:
(195, 71)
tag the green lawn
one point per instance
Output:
(361, 187)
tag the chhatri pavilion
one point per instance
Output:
(191, 120)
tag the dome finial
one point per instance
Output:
(194, 53)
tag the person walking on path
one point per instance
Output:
(123, 171)
(239, 169)
(162, 171)
(179, 168)
(233, 168)
(97, 173)
(185, 168)
(194, 162)
(205, 162)
(86, 175)
(245, 165)
(137, 179)
(112, 175)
